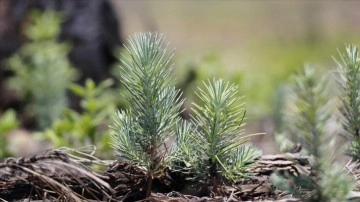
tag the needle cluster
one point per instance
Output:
(349, 81)
(214, 139)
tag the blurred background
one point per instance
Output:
(58, 59)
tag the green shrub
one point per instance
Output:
(76, 129)
(42, 70)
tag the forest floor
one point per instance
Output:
(64, 175)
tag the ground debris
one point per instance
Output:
(128, 181)
(59, 175)
(295, 164)
(54, 175)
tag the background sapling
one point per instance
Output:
(308, 121)
(42, 70)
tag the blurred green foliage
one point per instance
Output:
(44, 26)
(307, 117)
(273, 62)
(77, 129)
(42, 70)
(8, 122)
(260, 69)
(43, 75)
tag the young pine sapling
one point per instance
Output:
(308, 121)
(139, 134)
(349, 81)
(212, 145)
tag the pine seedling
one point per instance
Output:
(349, 81)
(212, 145)
(308, 121)
(139, 134)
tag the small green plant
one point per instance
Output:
(139, 134)
(8, 122)
(76, 129)
(212, 145)
(42, 70)
(308, 122)
(349, 80)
